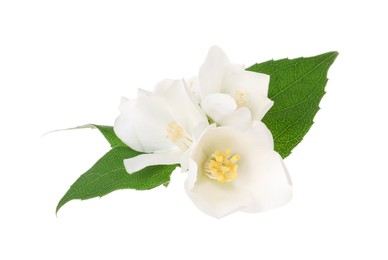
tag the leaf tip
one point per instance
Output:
(57, 209)
(333, 54)
(61, 203)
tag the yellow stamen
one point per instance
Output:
(240, 98)
(222, 166)
(177, 135)
(174, 131)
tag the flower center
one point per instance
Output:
(240, 98)
(177, 135)
(222, 166)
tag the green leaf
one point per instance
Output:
(296, 87)
(109, 174)
(107, 132)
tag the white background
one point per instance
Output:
(67, 63)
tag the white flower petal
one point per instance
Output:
(200, 129)
(163, 85)
(253, 86)
(222, 138)
(218, 105)
(143, 93)
(236, 77)
(192, 174)
(261, 107)
(142, 124)
(267, 179)
(211, 73)
(240, 117)
(217, 199)
(261, 135)
(181, 107)
(141, 161)
(192, 87)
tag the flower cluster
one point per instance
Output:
(211, 126)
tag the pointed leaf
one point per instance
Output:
(109, 174)
(296, 87)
